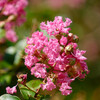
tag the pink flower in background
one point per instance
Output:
(11, 90)
(11, 35)
(14, 11)
(9, 9)
(2, 3)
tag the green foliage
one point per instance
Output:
(29, 90)
(34, 84)
(26, 93)
(2, 33)
(8, 97)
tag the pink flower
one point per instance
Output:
(64, 78)
(15, 16)
(9, 25)
(21, 4)
(65, 89)
(63, 40)
(30, 49)
(78, 54)
(57, 26)
(49, 85)
(30, 41)
(11, 36)
(9, 9)
(39, 70)
(52, 49)
(30, 60)
(60, 64)
(2, 3)
(11, 90)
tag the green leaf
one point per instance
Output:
(2, 33)
(34, 84)
(17, 58)
(5, 78)
(8, 97)
(26, 93)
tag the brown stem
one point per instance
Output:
(10, 18)
(29, 88)
(37, 92)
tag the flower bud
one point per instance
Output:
(68, 48)
(75, 38)
(62, 49)
(22, 78)
(70, 36)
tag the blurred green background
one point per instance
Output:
(85, 15)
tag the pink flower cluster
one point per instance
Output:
(57, 26)
(13, 10)
(58, 61)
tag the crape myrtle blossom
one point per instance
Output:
(57, 26)
(15, 16)
(49, 85)
(11, 90)
(58, 61)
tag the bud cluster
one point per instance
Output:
(57, 61)
(11, 14)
